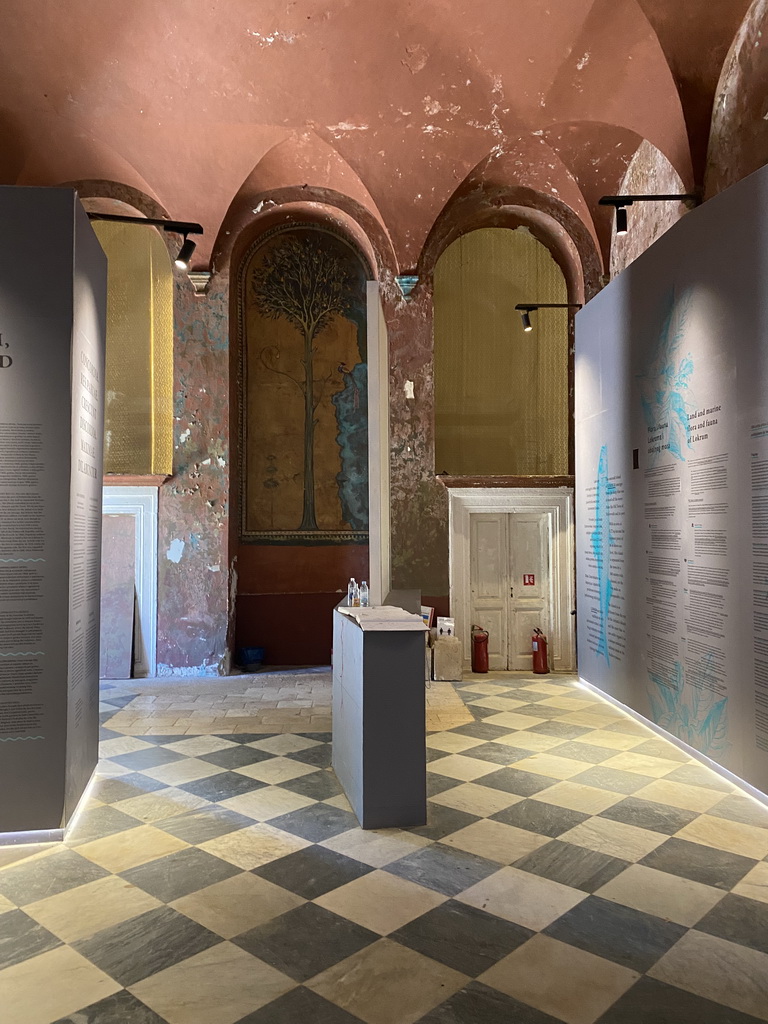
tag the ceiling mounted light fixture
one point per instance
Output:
(178, 227)
(185, 254)
(526, 308)
(620, 204)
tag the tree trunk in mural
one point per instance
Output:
(308, 285)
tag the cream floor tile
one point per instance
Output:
(522, 898)
(754, 885)
(725, 972)
(130, 848)
(387, 983)
(613, 740)
(530, 740)
(451, 742)
(218, 986)
(251, 847)
(641, 764)
(194, 746)
(111, 769)
(121, 745)
(376, 847)
(266, 803)
(51, 986)
(614, 837)
(467, 769)
(237, 904)
(661, 894)
(593, 719)
(578, 797)
(567, 703)
(476, 799)
(276, 770)
(339, 801)
(678, 794)
(178, 772)
(162, 804)
(6, 905)
(85, 910)
(561, 980)
(496, 841)
(733, 836)
(380, 901)
(500, 703)
(553, 689)
(284, 744)
(552, 766)
(509, 720)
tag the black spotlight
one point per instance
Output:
(527, 326)
(621, 220)
(185, 254)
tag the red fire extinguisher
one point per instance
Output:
(479, 649)
(539, 644)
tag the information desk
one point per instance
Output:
(379, 717)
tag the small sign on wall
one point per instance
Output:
(529, 579)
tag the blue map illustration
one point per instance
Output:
(602, 541)
(689, 707)
(665, 384)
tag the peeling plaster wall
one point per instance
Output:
(738, 142)
(193, 541)
(649, 173)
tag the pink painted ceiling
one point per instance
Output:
(392, 103)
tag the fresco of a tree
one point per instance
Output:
(308, 285)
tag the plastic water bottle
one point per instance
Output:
(364, 602)
(353, 593)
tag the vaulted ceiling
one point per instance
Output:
(393, 103)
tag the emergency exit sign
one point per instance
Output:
(529, 579)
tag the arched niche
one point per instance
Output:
(301, 318)
(138, 416)
(501, 394)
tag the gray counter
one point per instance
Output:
(379, 717)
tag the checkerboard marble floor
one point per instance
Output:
(575, 869)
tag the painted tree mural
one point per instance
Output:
(308, 285)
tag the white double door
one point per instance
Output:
(510, 583)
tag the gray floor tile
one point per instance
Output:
(34, 880)
(313, 871)
(513, 780)
(144, 945)
(741, 808)
(613, 779)
(320, 785)
(236, 757)
(573, 865)
(300, 1006)
(98, 822)
(305, 941)
(699, 863)
(179, 874)
(440, 783)
(537, 816)
(614, 932)
(442, 821)
(583, 752)
(737, 919)
(462, 937)
(649, 814)
(698, 775)
(22, 938)
(121, 1008)
(481, 730)
(124, 787)
(204, 823)
(149, 757)
(222, 786)
(662, 748)
(479, 1004)
(496, 753)
(443, 869)
(316, 822)
(320, 757)
(652, 1002)
(563, 729)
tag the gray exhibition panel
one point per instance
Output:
(379, 716)
(672, 482)
(52, 323)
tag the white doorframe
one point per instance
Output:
(379, 531)
(558, 503)
(141, 503)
